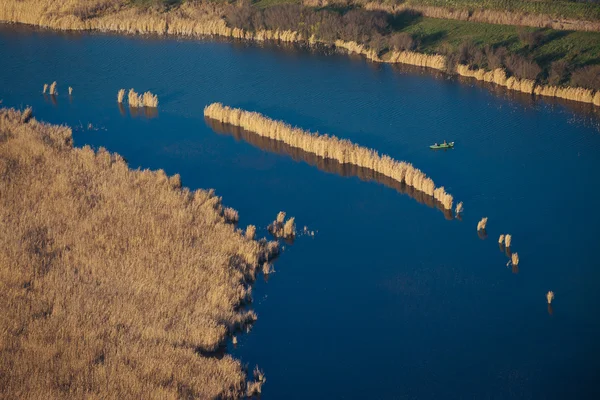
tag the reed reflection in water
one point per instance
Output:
(325, 164)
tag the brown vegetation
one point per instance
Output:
(550, 296)
(141, 100)
(120, 96)
(508, 240)
(501, 240)
(250, 232)
(328, 165)
(515, 259)
(70, 90)
(481, 224)
(45, 88)
(116, 283)
(326, 146)
(53, 90)
(281, 228)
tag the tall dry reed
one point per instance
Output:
(326, 146)
(53, 90)
(508, 240)
(459, 208)
(515, 258)
(116, 283)
(481, 224)
(550, 296)
(250, 232)
(45, 88)
(141, 100)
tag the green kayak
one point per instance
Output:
(442, 146)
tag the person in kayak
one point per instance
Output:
(435, 144)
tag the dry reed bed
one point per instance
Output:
(497, 17)
(498, 76)
(138, 100)
(325, 146)
(327, 164)
(114, 282)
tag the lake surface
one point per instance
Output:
(389, 299)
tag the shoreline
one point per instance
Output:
(206, 22)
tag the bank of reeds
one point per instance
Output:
(115, 282)
(528, 86)
(326, 146)
(206, 19)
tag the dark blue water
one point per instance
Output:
(390, 299)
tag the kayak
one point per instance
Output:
(442, 146)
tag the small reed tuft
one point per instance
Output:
(515, 259)
(231, 215)
(281, 228)
(459, 208)
(267, 268)
(501, 239)
(45, 88)
(70, 90)
(550, 296)
(53, 90)
(120, 95)
(508, 240)
(481, 224)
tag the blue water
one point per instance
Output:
(389, 299)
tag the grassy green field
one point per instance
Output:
(556, 8)
(436, 35)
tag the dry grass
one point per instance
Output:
(501, 239)
(281, 228)
(459, 208)
(45, 88)
(508, 240)
(250, 232)
(499, 77)
(120, 96)
(53, 90)
(136, 100)
(550, 296)
(231, 215)
(70, 90)
(515, 259)
(481, 224)
(114, 283)
(330, 147)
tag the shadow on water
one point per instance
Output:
(325, 164)
(134, 112)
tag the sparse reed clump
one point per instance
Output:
(53, 90)
(120, 95)
(131, 310)
(267, 268)
(515, 259)
(45, 88)
(507, 240)
(501, 239)
(481, 224)
(281, 228)
(142, 100)
(330, 147)
(231, 215)
(550, 296)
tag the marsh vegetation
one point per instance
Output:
(115, 282)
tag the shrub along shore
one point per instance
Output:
(115, 283)
(330, 147)
(538, 62)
